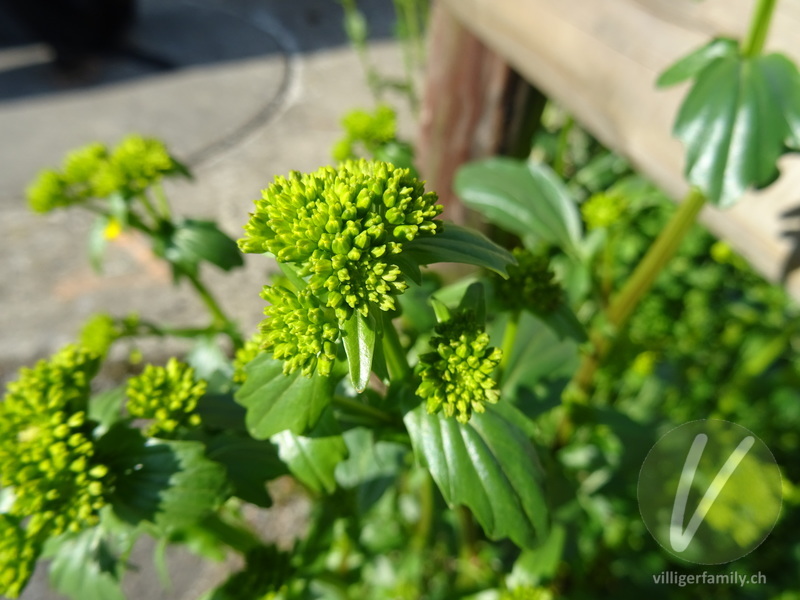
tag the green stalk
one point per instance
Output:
(221, 320)
(759, 28)
(509, 337)
(639, 283)
(395, 354)
(150, 210)
(163, 203)
(235, 537)
(560, 160)
(422, 532)
(364, 409)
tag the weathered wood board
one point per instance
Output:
(600, 60)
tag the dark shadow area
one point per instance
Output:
(161, 37)
(792, 261)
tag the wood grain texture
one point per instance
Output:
(600, 61)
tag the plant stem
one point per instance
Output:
(231, 535)
(395, 355)
(364, 409)
(759, 28)
(422, 532)
(639, 283)
(163, 203)
(148, 207)
(220, 318)
(560, 160)
(509, 337)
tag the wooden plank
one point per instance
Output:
(600, 60)
(461, 117)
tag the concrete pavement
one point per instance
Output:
(259, 90)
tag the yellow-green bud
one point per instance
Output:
(166, 395)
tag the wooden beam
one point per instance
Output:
(600, 61)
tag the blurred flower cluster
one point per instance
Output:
(95, 171)
(166, 395)
(47, 460)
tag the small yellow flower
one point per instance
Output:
(113, 229)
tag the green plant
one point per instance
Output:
(462, 437)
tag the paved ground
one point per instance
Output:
(260, 89)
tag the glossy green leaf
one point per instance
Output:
(459, 245)
(371, 467)
(694, 62)
(85, 567)
(564, 323)
(539, 565)
(488, 465)
(106, 408)
(249, 463)
(169, 483)
(474, 301)
(736, 122)
(358, 336)
(524, 198)
(400, 154)
(203, 240)
(275, 401)
(210, 363)
(313, 458)
(538, 353)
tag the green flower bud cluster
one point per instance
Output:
(530, 285)
(98, 333)
(299, 331)
(457, 376)
(342, 229)
(372, 130)
(245, 355)
(95, 172)
(47, 452)
(18, 555)
(603, 210)
(167, 395)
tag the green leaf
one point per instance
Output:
(97, 243)
(193, 241)
(474, 300)
(487, 465)
(524, 198)
(275, 401)
(400, 154)
(540, 565)
(358, 335)
(210, 363)
(371, 467)
(220, 411)
(85, 567)
(694, 62)
(106, 408)
(538, 353)
(564, 323)
(459, 245)
(169, 483)
(250, 464)
(313, 458)
(735, 123)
